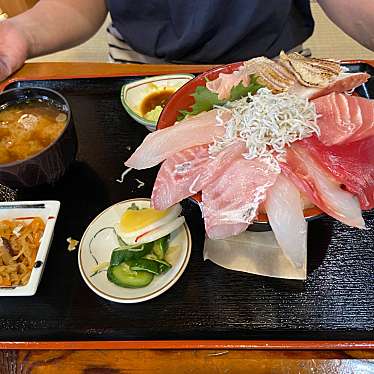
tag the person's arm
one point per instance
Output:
(50, 26)
(354, 17)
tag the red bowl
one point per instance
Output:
(182, 99)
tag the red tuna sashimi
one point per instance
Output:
(161, 144)
(321, 187)
(343, 83)
(352, 165)
(367, 113)
(230, 204)
(187, 172)
(343, 118)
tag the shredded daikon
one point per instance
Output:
(267, 123)
(123, 175)
(140, 183)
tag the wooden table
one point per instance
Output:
(77, 358)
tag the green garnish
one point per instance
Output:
(133, 206)
(206, 100)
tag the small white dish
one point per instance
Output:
(133, 94)
(25, 211)
(103, 245)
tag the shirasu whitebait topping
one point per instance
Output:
(267, 123)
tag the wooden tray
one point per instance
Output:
(209, 307)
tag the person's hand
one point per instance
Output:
(13, 49)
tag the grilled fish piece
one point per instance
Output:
(310, 72)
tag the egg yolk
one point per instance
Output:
(133, 220)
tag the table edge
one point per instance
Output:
(71, 70)
(192, 344)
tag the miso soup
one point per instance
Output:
(28, 127)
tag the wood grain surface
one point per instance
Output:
(191, 361)
(169, 361)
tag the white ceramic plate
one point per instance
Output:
(24, 210)
(101, 249)
(133, 93)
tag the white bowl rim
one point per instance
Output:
(140, 82)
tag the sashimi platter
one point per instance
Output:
(272, 138)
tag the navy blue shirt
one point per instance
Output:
(212, 31)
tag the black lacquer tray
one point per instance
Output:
(336, 302)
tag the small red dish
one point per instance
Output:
(182, 99)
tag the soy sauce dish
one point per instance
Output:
(132, 253)
(145, 99)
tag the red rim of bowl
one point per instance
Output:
(182, 99)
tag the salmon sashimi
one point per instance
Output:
(231, 203)
(161, 144)
(189, 171)
(284, 208)
(351, 164)
(343, 118)
(225, 82)
(321, 186)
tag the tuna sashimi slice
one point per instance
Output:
(284, 209)
(161, 144)
(343, 83)
(339, 117)
(344, 119)
(187, 172)
(230, 204)
(321, 187)
(367, 114)
(351, 164)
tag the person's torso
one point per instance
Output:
(211, 31)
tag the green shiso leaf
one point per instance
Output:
(206, 100)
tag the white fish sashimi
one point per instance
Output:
(180, 176)
(284, 209)
(230, 204)
(189, 171)
(160, 145)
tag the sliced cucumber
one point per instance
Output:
(144, 264)
(122, 276)
(161, 246)
(124, 255)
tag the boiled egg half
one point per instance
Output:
(146, 225)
